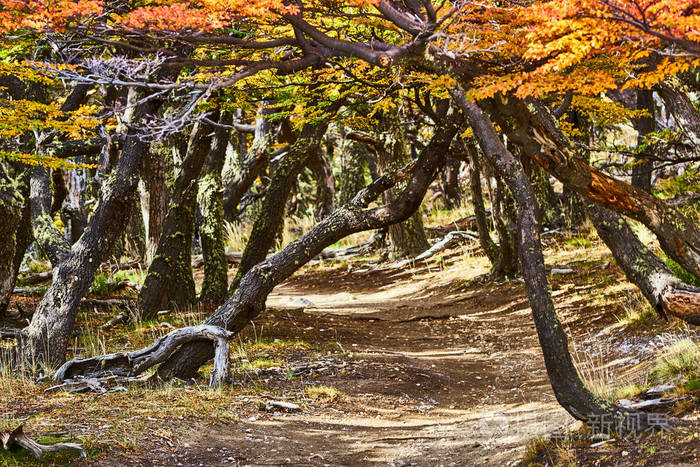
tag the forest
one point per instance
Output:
(350, 232)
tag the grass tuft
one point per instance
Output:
(680, 361)
(323, 394)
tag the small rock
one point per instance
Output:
(301, 302)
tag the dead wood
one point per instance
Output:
(37, 278)
(427, 317)
(16, 437)
(231, 258)
(451, 239)
(376, 241)
(118, 302)
(130, 364)
(465, 223)
(119, 319)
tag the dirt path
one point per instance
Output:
(431, 375)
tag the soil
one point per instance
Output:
(434, 365)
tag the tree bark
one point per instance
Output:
(249, 299)
(325, 185)
(11, 202)
(449, 184)
(24, 235)
(271, 214)
(407, 238)
(536, 132)
(49, 332)
(154, 201)
(641, 171)
(255, 161)
(47, 235)
(568, 387)
(169, 281)
(550, 211)
(353, 157)
(507, 257)
(482, 226)
(685, 115)
(662, 289)
(211, 230)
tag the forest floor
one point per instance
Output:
(430, 364)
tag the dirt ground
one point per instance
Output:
(434, 365)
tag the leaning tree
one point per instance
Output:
(522, 67)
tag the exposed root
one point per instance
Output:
(130, 364)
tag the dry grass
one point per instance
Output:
(323, 394)
(543, 452)
(636, 312)
(438, 217)
(679, 362)
(236, 235)
(116, 422)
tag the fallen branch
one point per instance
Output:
(231, 258)
(652, 404)
(28, 291)
(16, 437)
(129, 364)
(99, 385)
(37, 278)
(374, 242)
(450, 240)
(106, 301)
(465, 223)
(119, 319)
(108, 266)
(11, 333)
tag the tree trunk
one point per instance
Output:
(537, 133)
(685, 114)
(325, 185)
(353, 157)
(641, 171)
(135, 238)
(482, 226)
(11, 202)
(23, 235)
(271, 214)
(550, 209)
(211, 230)
(507, 263)
(664, 291)
(49, 332)
(48, 237)
(449, 184)
(169, 281)
(568, 388)
(251, 167)
(249, 299)
(154, 200)
(407, 238)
